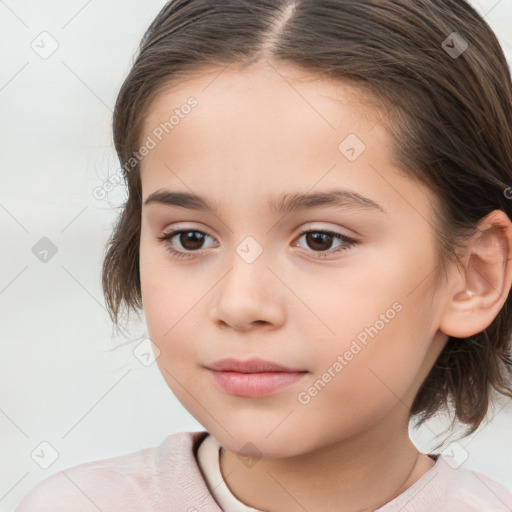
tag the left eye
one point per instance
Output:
(318, 240)
(191, 241)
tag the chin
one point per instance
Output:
(255, 443)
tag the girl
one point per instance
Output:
(318, 232)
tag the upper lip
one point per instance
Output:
(254, 365)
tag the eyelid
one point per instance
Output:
(348, 242)
(328, 227)
(304, 228)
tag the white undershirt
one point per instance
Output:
(208, 458)
(208, 455)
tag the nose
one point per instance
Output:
(248, 295)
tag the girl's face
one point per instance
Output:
(335, 286)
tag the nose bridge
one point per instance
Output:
(246, 294)
(249, 268)
(250, 250)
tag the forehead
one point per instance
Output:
(265, 91)
(264, 109)
(265, 129)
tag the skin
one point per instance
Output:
(255, 134)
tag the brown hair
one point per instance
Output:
(450, 117)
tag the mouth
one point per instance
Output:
(252, 378)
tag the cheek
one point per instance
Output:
(171, 319)
(166, 292)
(358, 384)
(380, 318)
(173, 315)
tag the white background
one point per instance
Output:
(61, 380)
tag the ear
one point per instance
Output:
(477, 295)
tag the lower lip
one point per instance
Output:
(254, 384)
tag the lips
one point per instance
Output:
(252, 378)
(251, 366)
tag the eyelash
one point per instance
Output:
(165, 239)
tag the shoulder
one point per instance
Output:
(447, 487)
(450, 487)
(128, 482)
(468, 490)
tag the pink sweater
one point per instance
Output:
(168, 478)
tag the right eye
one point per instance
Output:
(187, 241)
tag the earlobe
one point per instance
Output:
(481, 291)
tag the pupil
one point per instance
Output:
(316, 238)
(195, 240)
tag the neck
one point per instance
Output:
(360, 473)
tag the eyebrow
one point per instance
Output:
(284, 204)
